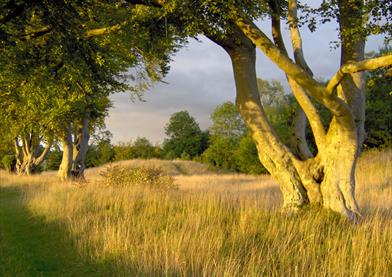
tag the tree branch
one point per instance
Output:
(45, 30)
(299, 93)
(354, 67)
(104, 31)
(153, 3)
(43, 155)
(296, 39)
(319, 92)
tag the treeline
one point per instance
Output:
(227, 144)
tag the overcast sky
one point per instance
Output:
(201, 78)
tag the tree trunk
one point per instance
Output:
(28, 157)
(80, 147)
(339, 161)
(276, 157)
(64, 172)
(327, 179)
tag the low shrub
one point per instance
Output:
(142, 176)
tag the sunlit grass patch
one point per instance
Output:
(213, 225)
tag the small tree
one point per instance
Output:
(184, 136)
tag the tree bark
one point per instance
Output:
(64, 172)
(27, 155)
(328, 178)
(276, 157)
(80, 147)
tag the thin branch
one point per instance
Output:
(38, 33)
(105, 31)
(5, 94)
(153, 3)
(353, 67)
(43, 155)
(299, 93)
(296, 39)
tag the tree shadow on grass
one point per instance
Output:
(31, 246)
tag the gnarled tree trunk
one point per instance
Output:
(28, 154)
(328, 178)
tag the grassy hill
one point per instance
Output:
(176, 167)
(213, 225)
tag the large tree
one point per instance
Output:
(75, 54)
(327, 178)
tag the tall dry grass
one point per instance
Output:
(218, 225)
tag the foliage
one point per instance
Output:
(141, 148)
(378, 122)
(227, 122)
(230, 146)
(56, 65)
(220, 153)
(246, 157)
(8, 162)
(185, 139)
(100, 154)
(54, 159)
(146, 177)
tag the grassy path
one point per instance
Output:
(29, 246)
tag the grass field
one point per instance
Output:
(213, 225)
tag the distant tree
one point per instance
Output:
(123, 151)
(271, 92)
(54, 158)
(142, 148)
(230, 146)
(8, 162)
(220, 153)
(378, 124)
(246, 157)
(227, 122)
(101, 150)
(184, 137)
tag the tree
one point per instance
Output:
(378, 124)
(246, 157)
(231, 147)
(227, 122)
(185, 139)
(65, 49)
(225, 133)
(326, 178)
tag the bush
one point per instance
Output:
(246, 157)
(220, 153)
(8, 162)
(145, 177)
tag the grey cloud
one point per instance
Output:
(201, 78)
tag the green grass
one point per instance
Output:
(32, 246)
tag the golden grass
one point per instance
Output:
(218, 225)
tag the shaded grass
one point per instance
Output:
(30, 245)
